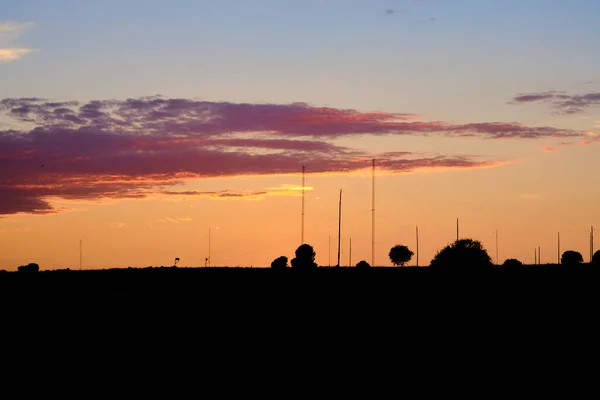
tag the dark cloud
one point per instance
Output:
(561, 102)
(136, 147)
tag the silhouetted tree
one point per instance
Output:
(512, 262)
(305, 257)
(363, 264)
(29, 268)
(462, 255)
(399, 255)
(571, 257)
(280, 262)
(596, 258)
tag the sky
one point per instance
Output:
(136, 129)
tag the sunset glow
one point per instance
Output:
(136, 130)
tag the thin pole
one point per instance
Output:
(497, 260)
(535, 256)
(539, 255)
(302, 223)
(339, 228)
(80, 254)
(373, 217)
(209, 260)
(417, 246)
(350, 256)
(457, 229)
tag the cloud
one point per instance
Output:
(224, 194)
(13, 54)
(134, 148)
(9, 33)
(390, 11)
(563, 103)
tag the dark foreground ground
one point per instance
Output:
(180, 331)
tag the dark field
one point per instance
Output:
(143, 328)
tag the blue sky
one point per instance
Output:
(342, 53)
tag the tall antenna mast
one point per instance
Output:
(302, 223)
(417, 246)
(80, 254)
(373, 218)
(209, 260)
(539, 255)
(339, 228)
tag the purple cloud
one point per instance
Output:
(561, 102)
(137, 147)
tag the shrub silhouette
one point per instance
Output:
(571, 257)
(399, 255)
(280, 262)
(363, 264)
(596, 258)
(305, 257)
(462, 255)
(512, 262)
(29, 268)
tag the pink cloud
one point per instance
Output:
(137, 147)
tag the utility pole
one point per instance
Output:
(302, 222)
(80, 254)
(417, 246)
(535, 256)
(209, 260)
(373, 217)
(339, 228)
(539, 255)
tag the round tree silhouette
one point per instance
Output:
(571, 257)
(399, 255)
(280, 262)
(462, 255)
(305, 257)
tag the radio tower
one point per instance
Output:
(373, 218)
(302, 223)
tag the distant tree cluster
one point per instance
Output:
(465, 255)
(29, 268)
